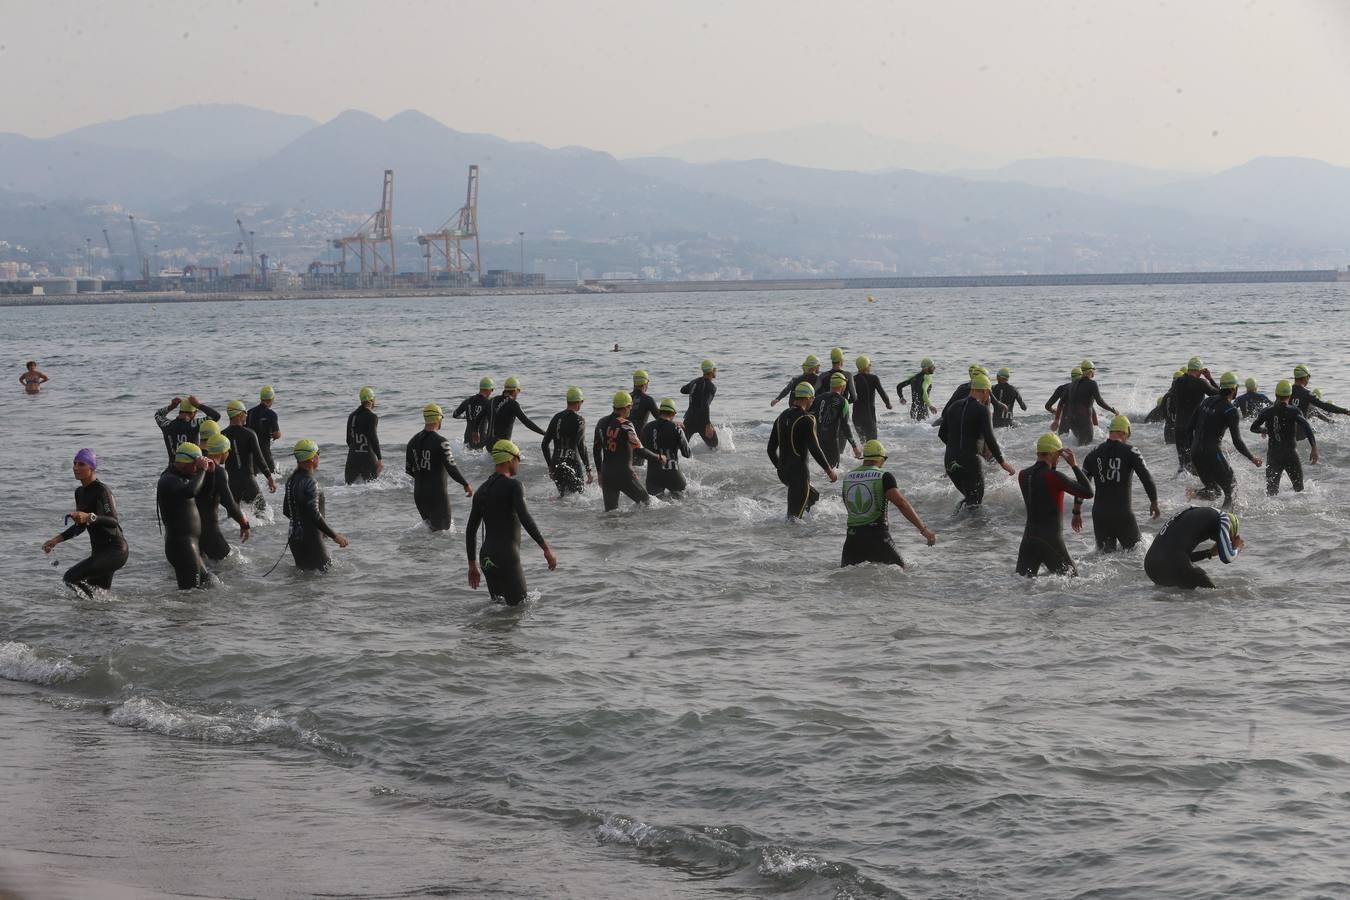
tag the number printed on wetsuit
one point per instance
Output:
(424, 462)
(612, 438)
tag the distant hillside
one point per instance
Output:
(206, 132)
(1089, 176)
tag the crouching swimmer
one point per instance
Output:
(1171, 561)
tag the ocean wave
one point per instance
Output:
(20, 662)
(226, 725)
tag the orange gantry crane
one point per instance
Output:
(373, 242)
(459, 230)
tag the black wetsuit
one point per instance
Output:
(644, 409)
(967, 430)
(1006, 395)
(963, 391)
(216, 493)
(363, 445)
(1112, 467)
(180, 431)
(616, 442)
(1043, 489)
(920, 387)
(1284, 426)
(244, 463)
(176, 499)
(1215, 416)
(865, 407)
(1171, 560)
(304, 505)
(564, 446)
(107, 544)
(499, 505)
(1078, 401)
(1169, 404)
(791, 386)
(262, 421)
(831, 412)
(473, 410)
(431, 464)
(1187, 393)
(1159, 414)
(868, 538)
(794, 438)
(1307, 402)
(823, 385)
(1059, 395)
(698, 416)
(503, 413)
(1251, 403)
(666, 438)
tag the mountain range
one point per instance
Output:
(188, 173)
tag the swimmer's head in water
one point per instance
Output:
(512, 384)
(185, 406)
(217, 444)
(838, 379)
(836, 354)
(1120, 423)
(1194, 364)
(667, 405)
(235, 408)
(1076, 373)
(187, 452)
(863, 363)
(1251, 384)
(367, 394)
(575, 395)
(1005, 372)
(267, 393)
(88, 457)
(432, 412)
(811, 362)
(304, 450)
(803, 391)
(622, 399)
(1284, 389)
(640, 377)
(926, 363)
(980, 382)
(1301, 371)
(486, 384)
(504, 451)
(1049, 443)
(208, 428)
(707, 366)
(874, 449)
(1228, 382)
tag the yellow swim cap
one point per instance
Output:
(305, 449)
(208, 428)
(187, 452)
(217, 445)
(432, 412)
(1049, 443)
(504, 451)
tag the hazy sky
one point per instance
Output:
(1198, 84)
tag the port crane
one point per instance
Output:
(112, 257)
(141, 258)
(449, 241)
(246, 246)
(373, 242)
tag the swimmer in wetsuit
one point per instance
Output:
(1112, 466)
(303, 504)
(1043, 491)
(564, 446)
(792, 440)
(431, 464)
(246, 458)
(810, 371)
(499, 506)
(867, 490)
(1006, 395)
(616, 442)
(1205, 436)
(364, 460)
(1187, 393)
(920, 387)
(963, 391)
(32, 378)
(262, 421)
(1252, 402)
(666, 438)
(644, 406)
(823, 381)
(869, 387)
(216, 493)
(504, 411)
(1284, 426)
(96, 513)
(831, 412)
(473, 410)
(180, 422)
(698, 416)
(1055, 405)
(1171, 560)
(968, 432)
(1309, 402)
(1078, 412)
(176, 503)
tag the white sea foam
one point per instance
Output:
(20, 662)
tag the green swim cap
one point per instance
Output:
(1251, 384)
(574, 395)
(836, 354)
(1120, 423)
(622, 399)
(874, 449)
(267, 393)
(1228, 380)
(512, 384)
(863, 363)
(707, 365)
(1005, 372)
(367, 394)
(1301, 371)
(927, 363)
(1194, 364)
(1076, 373)
(1284, 389)
(432, 412)
(503, 451)
(979, 382)
(837, 379)
(187, 452)
(641, 377)
(667, 405)
(305, 449)
(810, 362)
(1179, 373)
(803, 390)
(1086, 364)
(235, 408)
(208, 428)
(185, 405)
(1317, 392)
(1233, 523)
(486, 384)
(1049, 443)
(217, 445)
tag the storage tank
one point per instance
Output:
(89, 285)
(57, 285)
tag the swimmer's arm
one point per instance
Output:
(523, 514)
(1145, 477)
(471, 534)
(211, 414)
(525, 420)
